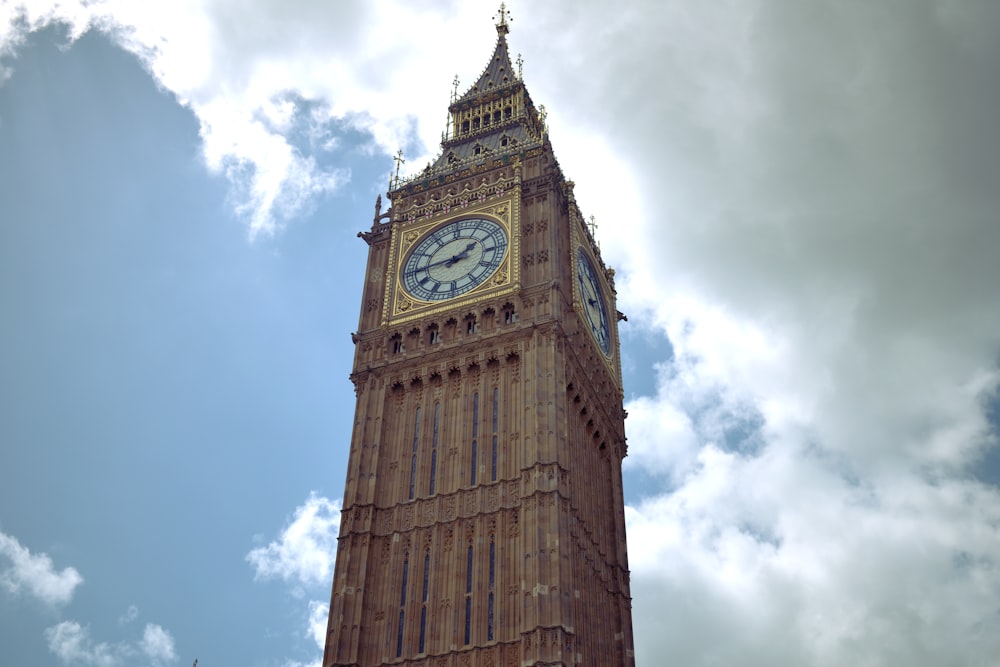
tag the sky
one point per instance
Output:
(801, 203)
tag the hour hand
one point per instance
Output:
(460, 256)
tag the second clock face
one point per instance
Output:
(454, 259)
(593, 301)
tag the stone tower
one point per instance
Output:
(483, 520)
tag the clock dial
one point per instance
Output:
(593, 301)
(454, 259)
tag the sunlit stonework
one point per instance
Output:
(483, 520)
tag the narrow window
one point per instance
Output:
(468, 619)
(493, 556)
(427, 575)
(493, 460)
(468, 597)
(402, 608)
(478, 149)
(473, 463)
(406, 576)
(399, 636)
(413, 459)
(434, 444)
(423, 608)
(504, 140)
(489, 626)
(496, 116)
(475, 123)
(475, 434)
(435, 336)
(507, 112)
(489, 615)
(465, 127)
(493, 451)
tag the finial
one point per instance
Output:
(503, 15)
(454, 88)
(398, 157)
(520, 64)
(592, 225)
(542, 115)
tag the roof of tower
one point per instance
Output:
(498, 72)
(494, 120)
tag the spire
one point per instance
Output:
(494, 119)
(499, 73)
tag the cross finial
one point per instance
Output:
(592, 225)
(503, 16)
(454, 88)
(398, 157)
(520, 64)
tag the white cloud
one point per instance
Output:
(775, 558)
(36, 574)
(247, 76)
(819, 265)
(72, 644)
(130, 615)
(316, 630)
(306, 549)
(319, 612)
(158, 645)
(294, 663)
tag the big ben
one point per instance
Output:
(483, 517)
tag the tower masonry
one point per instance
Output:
(483, 520)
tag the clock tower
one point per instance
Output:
(483, 520)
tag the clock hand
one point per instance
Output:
(447, 262)
(460, 256)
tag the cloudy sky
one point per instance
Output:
(801, 199)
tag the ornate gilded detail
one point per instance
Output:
(499, 202)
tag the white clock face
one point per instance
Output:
(593, 301)
(454, 259)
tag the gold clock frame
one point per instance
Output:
(400, 306)
(582, 241)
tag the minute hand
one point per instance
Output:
(448, 262)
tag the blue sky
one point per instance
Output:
(171, 389)
(801, 207)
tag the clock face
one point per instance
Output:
(593, 301)
(454, 259)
